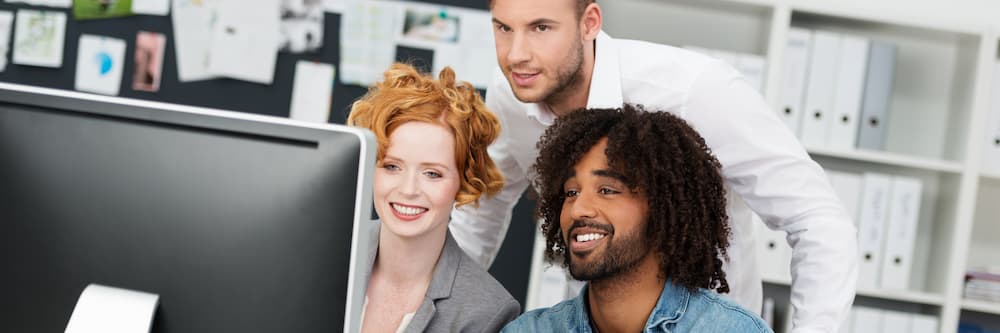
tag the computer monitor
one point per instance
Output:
(240, 223)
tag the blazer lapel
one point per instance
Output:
(442, 282)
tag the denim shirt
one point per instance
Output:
(676, 311)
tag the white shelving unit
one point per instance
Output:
(940, 101)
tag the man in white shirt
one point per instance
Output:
(555, 59)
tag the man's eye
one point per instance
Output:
(542, 28)
(503, 28)
(606, 191)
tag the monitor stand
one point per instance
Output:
(109, 309)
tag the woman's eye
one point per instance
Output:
(433, 174)
(571, 193)
(390, 167)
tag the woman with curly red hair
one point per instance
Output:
(432, 138)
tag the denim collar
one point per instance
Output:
(670, 308)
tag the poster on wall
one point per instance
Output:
(39, 38)
(148, 61)
(99, 64)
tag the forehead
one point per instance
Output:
(517, 11)
(422, 142)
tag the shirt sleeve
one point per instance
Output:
(481, 230)
(765, 164)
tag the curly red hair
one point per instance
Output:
(406, 95)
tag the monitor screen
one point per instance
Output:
(240, 223)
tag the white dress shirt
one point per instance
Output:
(764, 167)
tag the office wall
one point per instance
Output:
(510, 268)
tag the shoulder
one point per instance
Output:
(557, 318)
(719, 313)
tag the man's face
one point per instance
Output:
(603, 221)
(539, 46)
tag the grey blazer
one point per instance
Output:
(462, 297)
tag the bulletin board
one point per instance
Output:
(513, 263)
(225, 94)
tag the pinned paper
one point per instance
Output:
(245, 40)
(39, 38)
(312, 90)
(193, 21)
(6, 26)
(99, 64)
(151, 7)
(301, 26)
(48, 3)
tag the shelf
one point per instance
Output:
(981, 306)
(916, 297)
(994, 176)
(889, 159)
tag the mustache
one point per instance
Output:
(590, 224)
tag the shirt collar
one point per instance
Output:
(670, 308)
(605, 82)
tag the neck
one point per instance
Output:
(574, 96)
(408, 261)
(624, 302)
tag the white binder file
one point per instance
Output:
(752, 67)
(866, 320)
(794, 72)
(847, 98)
(991, 148)
(773, 253)
(921, 323)
(848, 188)
(878, 96)
(895, 321)
(871, 228)
(901, 233)
(823, 67)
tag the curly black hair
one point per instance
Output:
(662, 155)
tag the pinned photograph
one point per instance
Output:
(99, 64)
(39, 37)
(301, 25)
(431, 26)
(148, 61)
(99, 9)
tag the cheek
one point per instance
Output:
(445, 192)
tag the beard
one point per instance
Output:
(622, 254)
(567, 77)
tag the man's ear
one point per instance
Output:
(591, 21)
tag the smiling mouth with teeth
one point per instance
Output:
(409, 211)
(589, 237)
